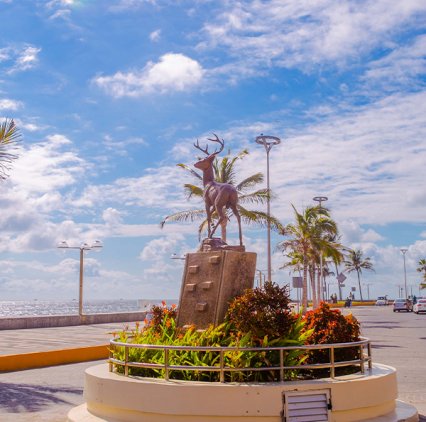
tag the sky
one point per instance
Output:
(110, 95)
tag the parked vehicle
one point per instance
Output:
(382, 301)
(420, 306)
(402, 304)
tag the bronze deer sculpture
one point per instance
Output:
(217, 196)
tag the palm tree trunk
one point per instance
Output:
(359, 285)
(305, 287)
(320, 292)
(314, 293)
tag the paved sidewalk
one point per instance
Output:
(44, 339)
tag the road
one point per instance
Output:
(399, 340)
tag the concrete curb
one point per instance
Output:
(19, 362)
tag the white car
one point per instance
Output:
(420, 306)
(382, 301)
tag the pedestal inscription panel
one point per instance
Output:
(210, 281)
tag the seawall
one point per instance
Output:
(68, 320)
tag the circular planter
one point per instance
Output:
(358, 397)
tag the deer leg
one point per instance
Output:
(223, 229)
(209, 220)
(238, 217)
(222, 217)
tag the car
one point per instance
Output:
(382, 301)
(402, 304)
(419, 306)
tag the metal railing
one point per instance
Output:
(364, 357)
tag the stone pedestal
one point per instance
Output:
(210, 281)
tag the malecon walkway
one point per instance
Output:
(46, 394)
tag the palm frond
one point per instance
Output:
(192, 190)
(9, 137)
(202, 228)
(250, 181)
(190, 170)
(259, 197)
(184, 216)
(259, 218)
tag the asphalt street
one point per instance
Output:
(46, 394)
(399, 340)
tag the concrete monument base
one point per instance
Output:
(210, 280)
(115, 398)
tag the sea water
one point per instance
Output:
(20, 308)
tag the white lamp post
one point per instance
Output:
(268, 142)
(320, 200)
(404, 251)
(96, 245)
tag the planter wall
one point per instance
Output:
(113, 397)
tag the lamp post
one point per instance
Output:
(368, 289)
(260, 273)
(268, 142)
(96, 245)
(320, 200)
(404, 251)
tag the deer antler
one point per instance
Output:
(205, 150)
(220, 142)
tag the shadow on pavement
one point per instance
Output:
(383, 346)
(20, 398)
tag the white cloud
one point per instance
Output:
(26, 59)
(155, 36)
(403, 66)
(46, 166)
(304, 34)
(352, 232)
(19, 57)
(161, 248)
(367, 161)
(8, 104)
(173, 72)
(120, 147)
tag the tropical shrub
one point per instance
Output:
(162, 330)
(263, 312)
(327, 326)
(246, 326)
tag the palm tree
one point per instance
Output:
(422, 269)
(9, 137)
(225, 172)
(357, 262)
(308, 237)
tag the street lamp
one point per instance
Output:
(96, 245)
(368, 289)
(268, 142)
(404, 251)
(320, 200)
(175, 256)
(260, 273)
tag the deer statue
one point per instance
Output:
(217, 196)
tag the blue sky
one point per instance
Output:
(110, 95)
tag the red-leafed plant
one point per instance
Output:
(160, 315)
(331, 326)
(263, 312)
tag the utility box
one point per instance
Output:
(210, 281)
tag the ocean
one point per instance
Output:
(20, 308)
